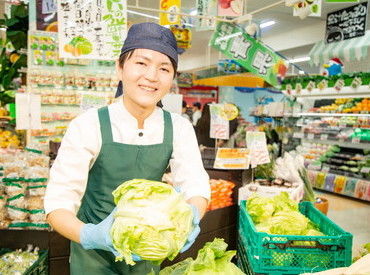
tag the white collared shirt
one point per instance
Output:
(81, 146)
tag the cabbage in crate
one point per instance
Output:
(152, 221)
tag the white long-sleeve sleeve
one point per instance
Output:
(81, 146)
(68, 176)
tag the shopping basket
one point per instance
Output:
(40, 267)
(292, 254)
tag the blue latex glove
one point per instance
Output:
(97, 236)
(196, 230)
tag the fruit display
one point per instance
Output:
(3, 112)
(344, 129)
(346, 105)
(9, 139)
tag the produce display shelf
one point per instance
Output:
(364, 145)
(280, 254)
(345, 92)
(40, 267)
(333, 114)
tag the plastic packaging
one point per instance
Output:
(37, 172)
(36, 187)
(14, 187)
(16, 213)
(17, 200)
(14, 169)
(34, 159)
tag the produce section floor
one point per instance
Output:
(352, 215)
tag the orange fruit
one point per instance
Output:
(52, 27)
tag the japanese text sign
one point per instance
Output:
(91, 29)
(346, 23)
(258, 59)
(232, 158)
(168, 18)
(256, 143)
(209, 8)
(219, 124)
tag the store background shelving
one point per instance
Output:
(319, 131)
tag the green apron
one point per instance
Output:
(116, 164)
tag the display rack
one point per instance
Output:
(345, 92)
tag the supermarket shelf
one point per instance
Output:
(6, 117)
(333, 115)
(345, 92)
(362, 146)
(57, 120)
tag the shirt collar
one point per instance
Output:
(124, 114)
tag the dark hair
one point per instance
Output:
(197, 104)
(184, 104)
(125, 56)
(203, 127)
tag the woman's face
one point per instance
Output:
(147, 77)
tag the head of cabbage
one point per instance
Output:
(152, 220)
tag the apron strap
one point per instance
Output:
(105, 126)
(168, 132)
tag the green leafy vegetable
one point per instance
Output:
(212, 259)
(152, 220)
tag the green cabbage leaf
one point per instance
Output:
(152, 221)
(212, 259)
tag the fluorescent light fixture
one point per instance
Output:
(143, 14)
(299, 59)
(267, 24)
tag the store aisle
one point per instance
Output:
(352, 215)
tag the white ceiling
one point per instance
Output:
(285, 23)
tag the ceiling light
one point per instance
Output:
(267, 24)
(299, 59)
(143, 14)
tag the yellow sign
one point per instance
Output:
(168, 18)
(182, 35)
(230, 111)
(232, 158)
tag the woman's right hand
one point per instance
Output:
(97, 236)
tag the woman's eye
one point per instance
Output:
(140, 63)
(165, 70)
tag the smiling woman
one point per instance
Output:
(129, 139)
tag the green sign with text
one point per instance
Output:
(258, 59)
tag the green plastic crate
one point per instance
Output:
(279, 254)
(40, 267)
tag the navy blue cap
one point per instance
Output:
(150, 36)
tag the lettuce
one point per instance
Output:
(212, 259)
(152, 221)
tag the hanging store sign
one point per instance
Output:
(91, 29)
(230, 7)
(183, 36)
(232, 158)
(168, 18)
(258, 59)
(256, 143)
(346, 23)
(208, 8)
(219, 128)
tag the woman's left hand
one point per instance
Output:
(196, 230)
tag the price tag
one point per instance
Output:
(311, 136)
(365, 170)
(324, 137)
(325, 169)
(356, 140)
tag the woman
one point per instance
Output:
(202, 128)
(128, 139)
